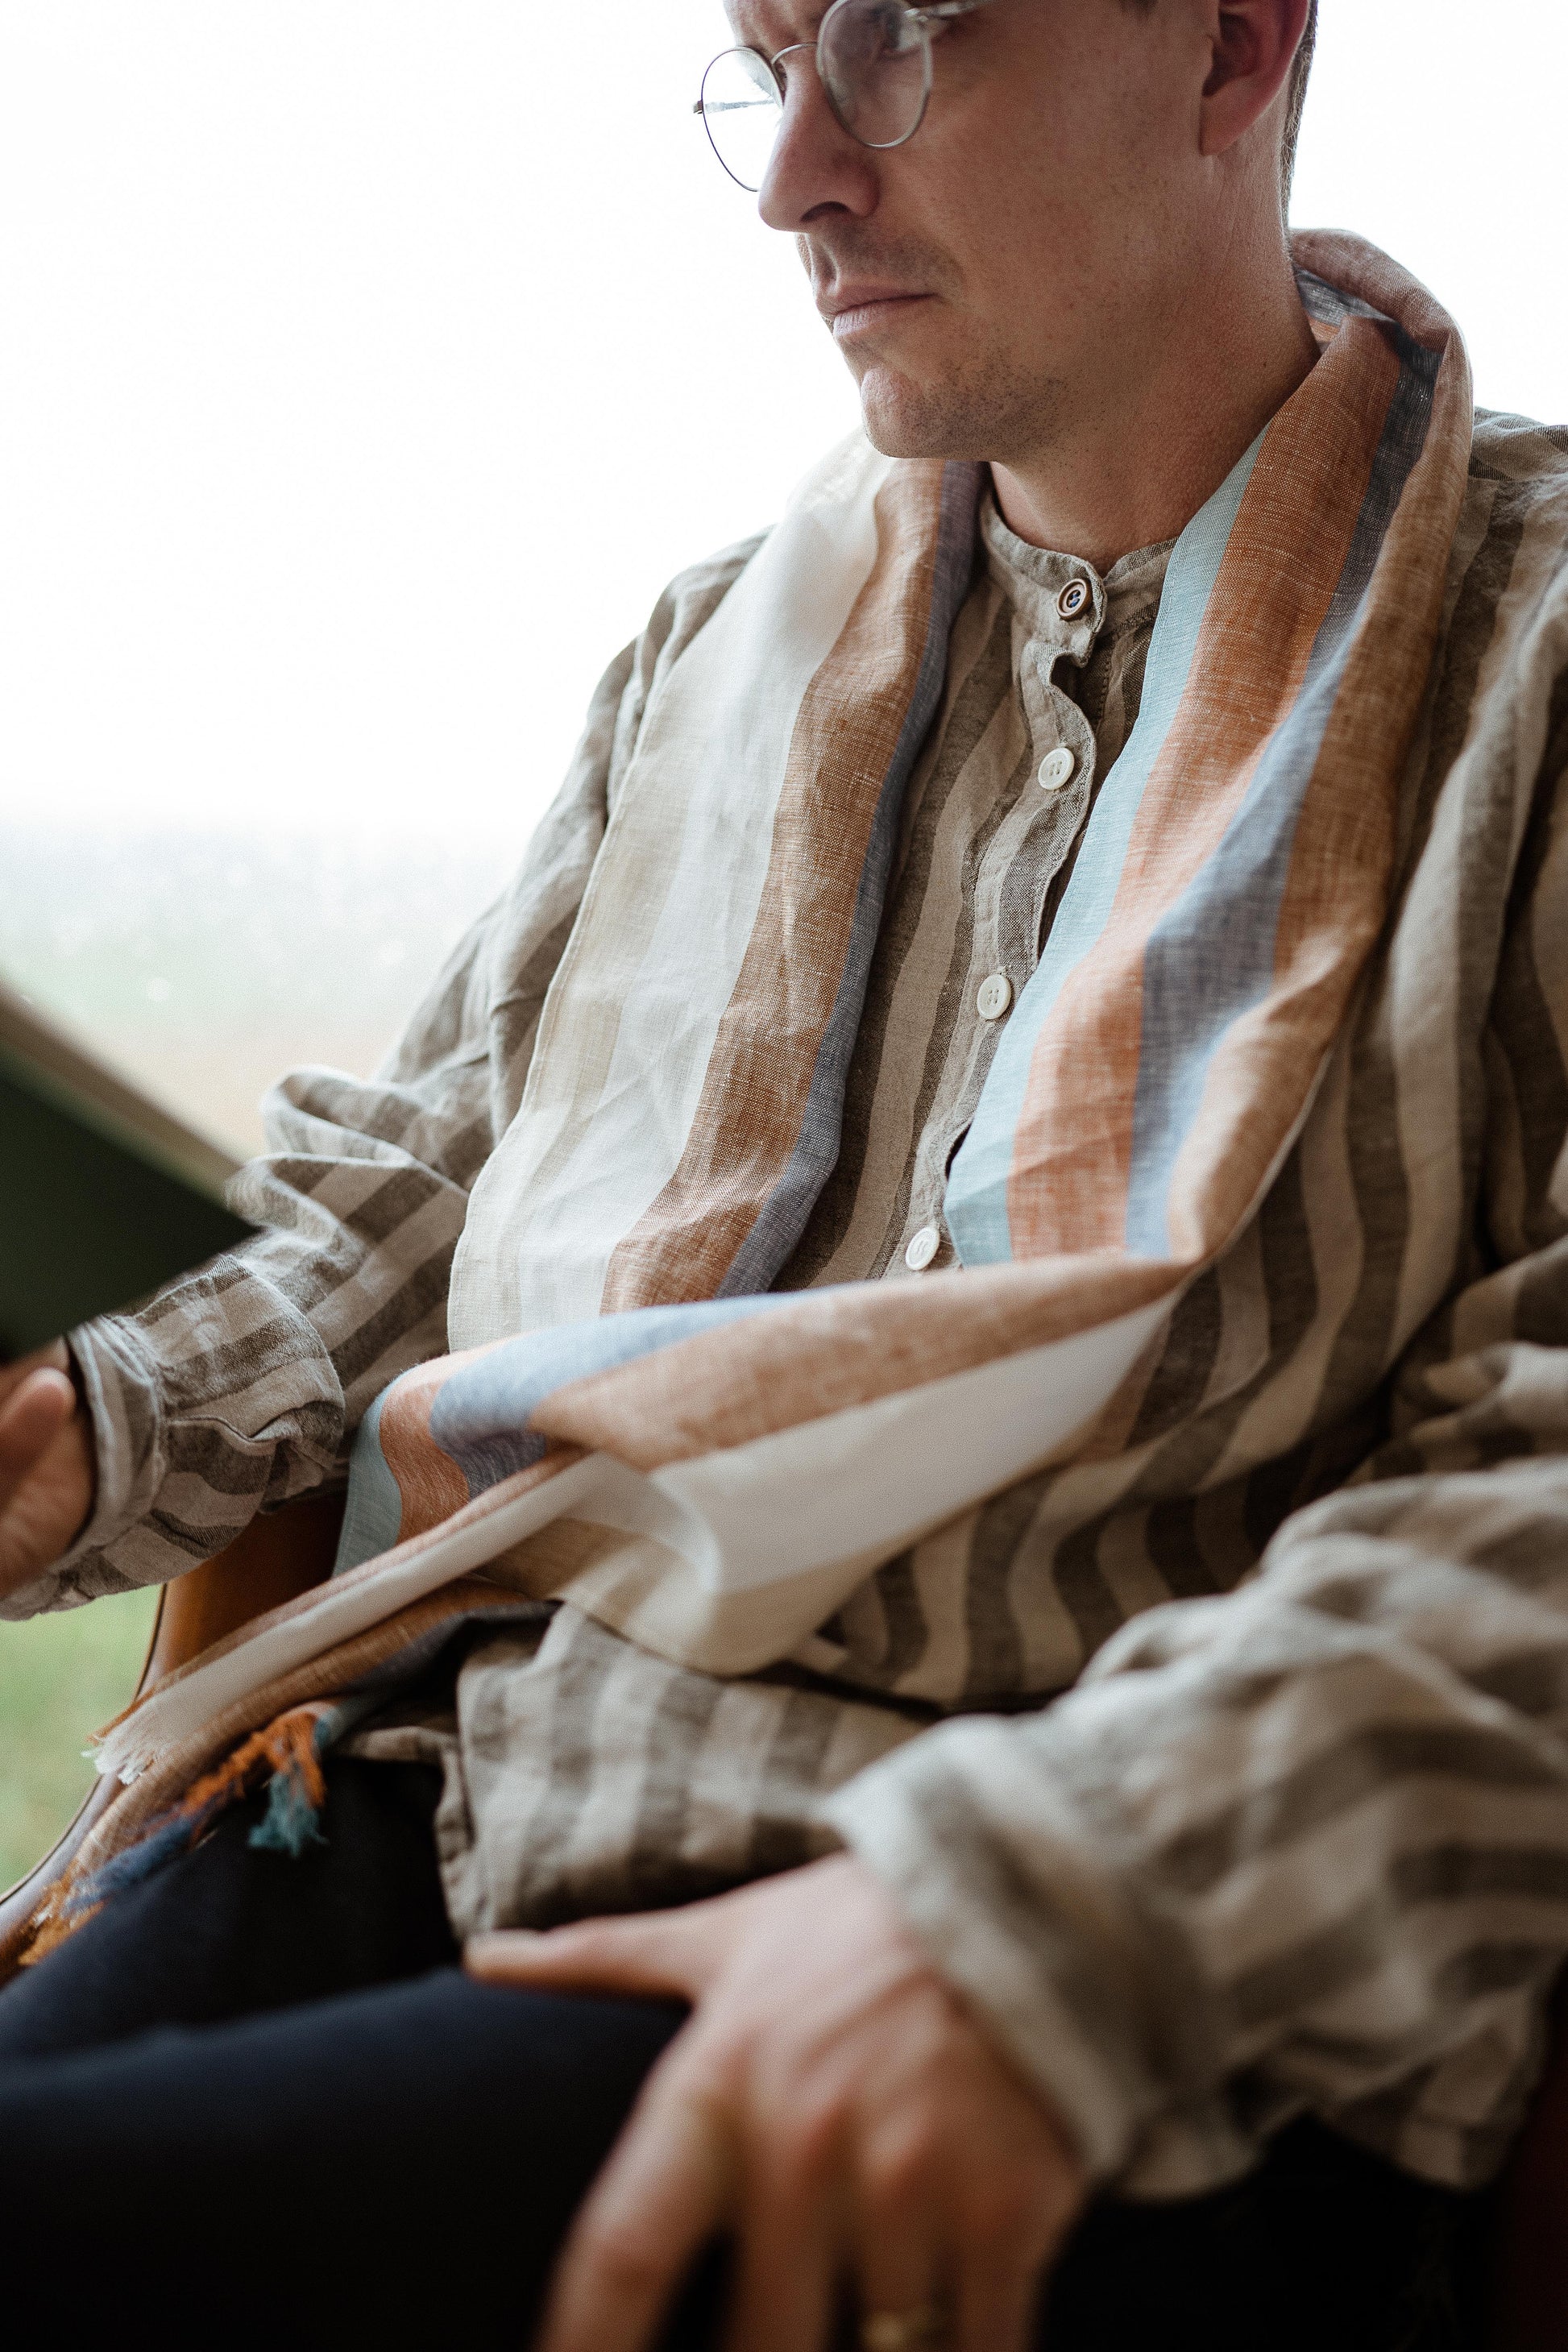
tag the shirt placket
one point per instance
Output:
(1031, 846)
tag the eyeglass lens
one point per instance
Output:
(875, 60)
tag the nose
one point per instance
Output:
(816, 166)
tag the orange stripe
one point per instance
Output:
(1067, 1191)
(430, 1483)
(1341, 860)
(830, 1349)
(754, 1098)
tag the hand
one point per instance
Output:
(45, 1465)
(830, 2103)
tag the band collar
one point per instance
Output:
(1062, 601)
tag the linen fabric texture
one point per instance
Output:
(1231, 1420)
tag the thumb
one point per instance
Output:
(654, 1954)
(55, 1358)
(32, 1414)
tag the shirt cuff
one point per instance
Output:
(117, 1381)
(1000, 1878)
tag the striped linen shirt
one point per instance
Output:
(1297, 1842)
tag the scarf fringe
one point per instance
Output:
(288, 1753)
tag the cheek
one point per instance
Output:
(1057, 270)
(1043, 204)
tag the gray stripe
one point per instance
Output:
(1370, 1758)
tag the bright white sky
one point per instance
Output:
(368, 365)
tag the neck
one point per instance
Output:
(1134, 463)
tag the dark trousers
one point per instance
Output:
(256, 2101)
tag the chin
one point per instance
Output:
(906, 419)
(962, 415)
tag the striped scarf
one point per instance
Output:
(632, 1419)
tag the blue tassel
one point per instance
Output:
(291, 1822)
(129, 1869)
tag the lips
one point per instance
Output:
(855, 309)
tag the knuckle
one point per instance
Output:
(628, 2257)
(709, 2073)
(1002, 2210)
(901, 2169)
(811, 2136)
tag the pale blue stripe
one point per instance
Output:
(977, 1186)
(374, 1513)
(482, 1412)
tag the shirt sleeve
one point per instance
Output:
(1304, 1847)
(240, 1385)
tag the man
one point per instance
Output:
(1218, 670)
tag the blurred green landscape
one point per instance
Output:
(61, 1678)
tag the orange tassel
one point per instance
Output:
(288, 1744)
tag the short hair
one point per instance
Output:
(1300, 73)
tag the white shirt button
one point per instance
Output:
(1056, 769)
(994, 997)
(923, 1249)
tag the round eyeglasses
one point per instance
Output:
(874, 61)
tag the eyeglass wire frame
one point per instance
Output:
(920, 21)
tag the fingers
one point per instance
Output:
(788, 2265)
(55, 1357)
(1010, 2234)
(31, 1417)
(904, 2231)
(995, 2310)
(47, 1470)
(830, 2108)
(666, 2191)
(663, 1952)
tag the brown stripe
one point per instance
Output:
(369, 1571)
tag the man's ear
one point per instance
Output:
(1254, 44)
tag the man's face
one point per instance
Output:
(986, 281)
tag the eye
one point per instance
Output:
(870, 32)
(900, 30)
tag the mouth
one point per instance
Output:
(858, 311)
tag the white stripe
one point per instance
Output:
(794, 1515)
(630, 1026)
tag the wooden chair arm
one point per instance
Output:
(278, 1557)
